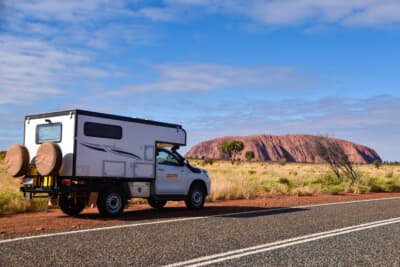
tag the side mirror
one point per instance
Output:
(185, 162)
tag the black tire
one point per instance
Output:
(196, 197)
(157, 204)
(111, 203)
(68, 206)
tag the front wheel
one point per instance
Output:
(157, 204)
(111, 203)
(196, 197)
(70, 205)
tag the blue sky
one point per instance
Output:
(217, 67)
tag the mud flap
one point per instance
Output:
(93, 199)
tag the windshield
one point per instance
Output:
(48, 133)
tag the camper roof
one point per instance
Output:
(101, 115)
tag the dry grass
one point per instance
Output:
(250, 179)
(11, 198)
(246, 180)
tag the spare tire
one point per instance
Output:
(17, 160)
(48, 159)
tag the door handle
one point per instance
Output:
(159, 169)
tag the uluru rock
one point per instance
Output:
(298, 148)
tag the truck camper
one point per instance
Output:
(75, 155)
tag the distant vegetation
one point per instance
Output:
(3, 155)
(232, 149)
(249, 155)
(253, 179)
(245, 180)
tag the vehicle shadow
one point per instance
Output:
(182, 212)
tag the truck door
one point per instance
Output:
(170, 174)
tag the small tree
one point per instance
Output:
(333, 153)
(232, 149)
(249, 155)
(377, 163)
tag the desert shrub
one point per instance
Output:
(336, 189)
(251, 172)
(249, 155)
(326, 180)
(282, 161)
(389, 173)
(281, 189)
(304, 191)
(207, 161)
(363, 188)
(289, 183)
(393, 185)
(12, 202)
(3, 155)
(377, 163)
(376, 185)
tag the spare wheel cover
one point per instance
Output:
(48, 159)
(17, 160)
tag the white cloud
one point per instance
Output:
(205, 77)
(69, 11)
(355, 13)
(365, 121)
(31, 68)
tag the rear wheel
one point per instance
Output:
(71, 206)
(157, 204)
(196, 197)
(111, 202)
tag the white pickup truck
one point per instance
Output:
(75, 155)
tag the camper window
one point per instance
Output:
(48, 133)
(103, 130)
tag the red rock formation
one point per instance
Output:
(271, 147)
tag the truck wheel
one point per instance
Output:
(196, 197)
(68, 206)
(111, 202)
(157, 204)
(17, 160)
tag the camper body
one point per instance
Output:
(114, 158)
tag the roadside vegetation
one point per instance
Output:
(11, 199)
(246, 180)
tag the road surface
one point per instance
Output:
(359, 233)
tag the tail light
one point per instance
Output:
(66, 181)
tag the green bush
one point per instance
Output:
(12, 202)
(336, 189)
(363, 188)
(287, 182)
(3, 155)
(393, 185)
(251, 172)
(376, 185)
(6, 197)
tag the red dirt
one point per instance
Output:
(54, 220)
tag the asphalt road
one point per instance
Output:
(362, 233)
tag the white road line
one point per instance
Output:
(211, 259)
(187, 219)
